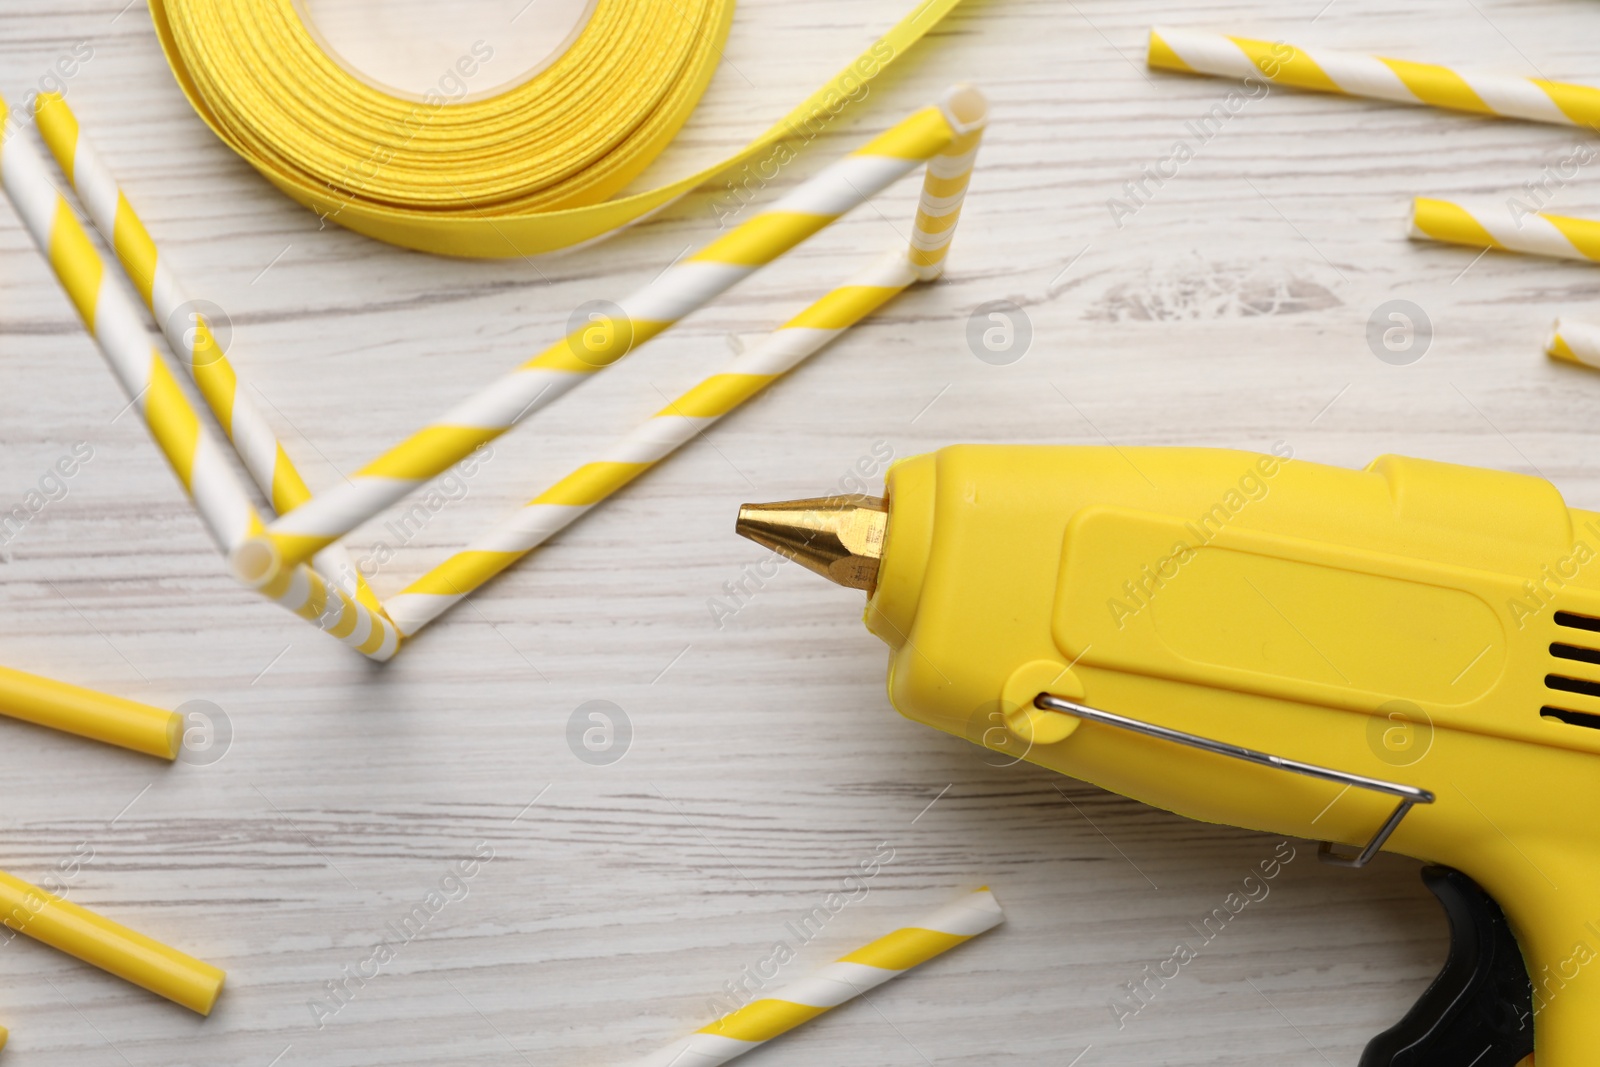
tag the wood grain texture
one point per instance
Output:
(765, 764)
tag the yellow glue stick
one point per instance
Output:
(1404, 657)
(109, 946)
(100, 716)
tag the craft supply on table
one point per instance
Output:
(187, 332)
(680, 422)
(117, 326)
(109, 946)
(687, 285)
(1353, 74)
(845, 979)
(1575, 342)
(99, 716)
(939, 209)
(1379, 659)
(523, 172)
(1490, 224)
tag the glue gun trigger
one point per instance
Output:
(1479, 1010)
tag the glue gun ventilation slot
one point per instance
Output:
(1565, 683)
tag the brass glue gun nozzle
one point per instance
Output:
(839, 537)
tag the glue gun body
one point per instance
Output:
(1431, 626)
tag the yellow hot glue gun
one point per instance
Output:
(1405, 657)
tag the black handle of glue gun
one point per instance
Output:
(1479, 1010)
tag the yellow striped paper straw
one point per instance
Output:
(944, 188)
(99, 716)
(1489, 225)
(1354, 74)
(944, 183)
(651, 442)
(114, 321)
(845, 979)
(1575, 342)
(676, 292)
(188, 333)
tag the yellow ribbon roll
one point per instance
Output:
(523, 172)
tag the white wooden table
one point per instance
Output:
(765, 763)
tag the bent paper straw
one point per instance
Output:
(1354, 74)
(190, 337)
(567, 363)
(945, 181)
(944, 188)
(114, 321)
(845, 979)
(653, 441)
(99, 716)
(1574, 342)
(113, 948)
(1489, 225)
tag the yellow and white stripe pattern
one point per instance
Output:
(1354, 74)
(117, 326)
(1489, 225)
(590, 348)
(1574, 342)
(845, 979)
(653, 441)
(944, 183)
(944, 187)
(190, 338)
